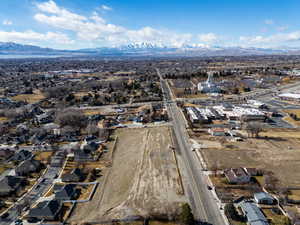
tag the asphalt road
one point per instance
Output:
(204, 206)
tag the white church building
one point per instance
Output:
(209, 86)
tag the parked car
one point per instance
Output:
(18, 222)
(5, 215)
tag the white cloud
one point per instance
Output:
(274, 40)
(106, 8)
(207, 38)
(96, 29)
(282, 28)
(7, 22)
(269, 22)
(34, 37)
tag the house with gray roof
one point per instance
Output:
(10, 185)
(27, 167)
(66, 192)
(6, 153)
(22, 155)
(264, 198)
(46, 210)
(253, 214)
(75, 175)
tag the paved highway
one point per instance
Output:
(203, 203)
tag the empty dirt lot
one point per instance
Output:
(279, 153)
(143, 179)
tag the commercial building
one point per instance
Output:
(290, 97)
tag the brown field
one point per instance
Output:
(80, 94)
(30, 98)
(294, 194)
(91, 112)
(276, 219)
(279, 153)
(294, 111)
(43, 156)
(143, 179)
(3, 119)
(290, 119)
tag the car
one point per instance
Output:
(18, 222)
(5, 215)
(25, 208)
(32, 220)
(209, 187)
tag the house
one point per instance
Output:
(46, 210)
(217, 131)
(44, 118)
(75, 175)
(264, 198)
(58, 159)
(6, 153)
(81, 155)
(253, 214)
(10, 185)
(66, 192)
(252, 171)
(22, 155)
(28, 166)
(90, 146)
(237, 176)
(85, 152)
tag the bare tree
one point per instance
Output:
(271, 182)
(253, 129)
(57, 92)
(72, 118)
(92, 129)
(103, 133)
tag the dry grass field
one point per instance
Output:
(142, 181)
(279, 152)
(30, 98)
(290, 119)
(3, 119)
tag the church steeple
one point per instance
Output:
(210, 78)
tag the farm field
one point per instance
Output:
(143, 179)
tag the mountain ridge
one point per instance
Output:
(144, 49)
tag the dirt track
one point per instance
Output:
(143, 180)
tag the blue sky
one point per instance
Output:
(74, 24)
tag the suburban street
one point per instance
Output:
(33, 195)
(203, 203)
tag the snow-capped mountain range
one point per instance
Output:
(144, 49)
